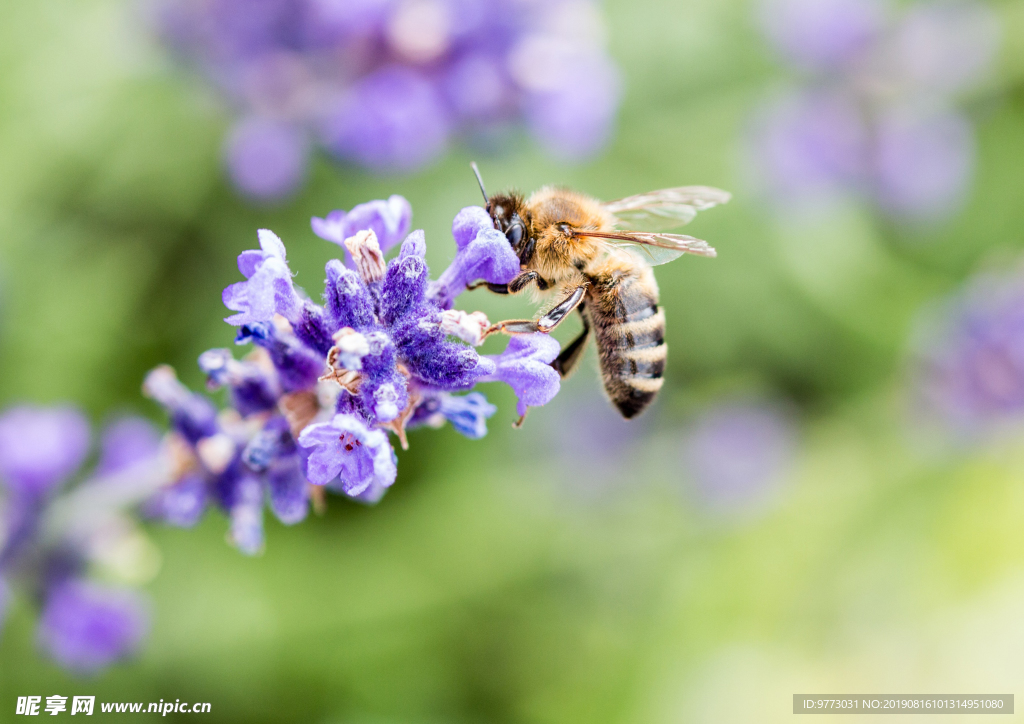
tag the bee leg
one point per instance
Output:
(546, 323)
(569, 359)
(496, 288)
(523, 280)
(561, 310)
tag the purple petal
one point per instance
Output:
(330, 228)
(41, 447)
(389, 220)
(287, 485)
(246, 513)
(525, 366)
(181, 504)
(488, 256)
(468, 223)
(347, 454)
(414, 245)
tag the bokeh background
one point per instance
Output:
(807, 509)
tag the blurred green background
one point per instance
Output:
(511, 579)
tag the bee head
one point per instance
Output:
(510, 218)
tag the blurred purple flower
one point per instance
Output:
(874, 118)
(736, 454)
(51, 530)
(40, 448)
(969, 356)
(312, 405)
(127, 442)
(393, 120)
(387, 84)
(922, 165)
(86, 627)
(265, 159)
(822, 34)
(809, 146)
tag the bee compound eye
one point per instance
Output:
(515, 234)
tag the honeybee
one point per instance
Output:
(576, 245)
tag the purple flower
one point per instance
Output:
(388, 85)
(875, 116)
(192, 415)
(822, 34)
(125, 443)
(589, 81)
(182, 503)
(969, 357)
(467, 413)
(313, 404)
(343, 452)
(266, 159)
(483, 254)
(393, 119)
(525, 366)
(736, 454)
(809, 146)
(389, 220)
(923, 164)
(52, 533)
(269, 288)
(40, 448)
(86, 627)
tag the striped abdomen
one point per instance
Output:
(630, 329)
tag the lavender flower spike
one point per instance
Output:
(344, 451)
(312, 406)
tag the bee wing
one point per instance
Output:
(667, 208)
(653, 248)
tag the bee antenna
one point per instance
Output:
(479, 180)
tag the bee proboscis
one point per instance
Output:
(575, 244)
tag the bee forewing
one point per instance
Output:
(666, 208)
(653, 248)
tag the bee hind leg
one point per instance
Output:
(569, 359)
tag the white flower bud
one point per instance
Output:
(467, 327)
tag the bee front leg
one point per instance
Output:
(525, 279)
(496, 288)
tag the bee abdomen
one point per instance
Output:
(630, 331)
